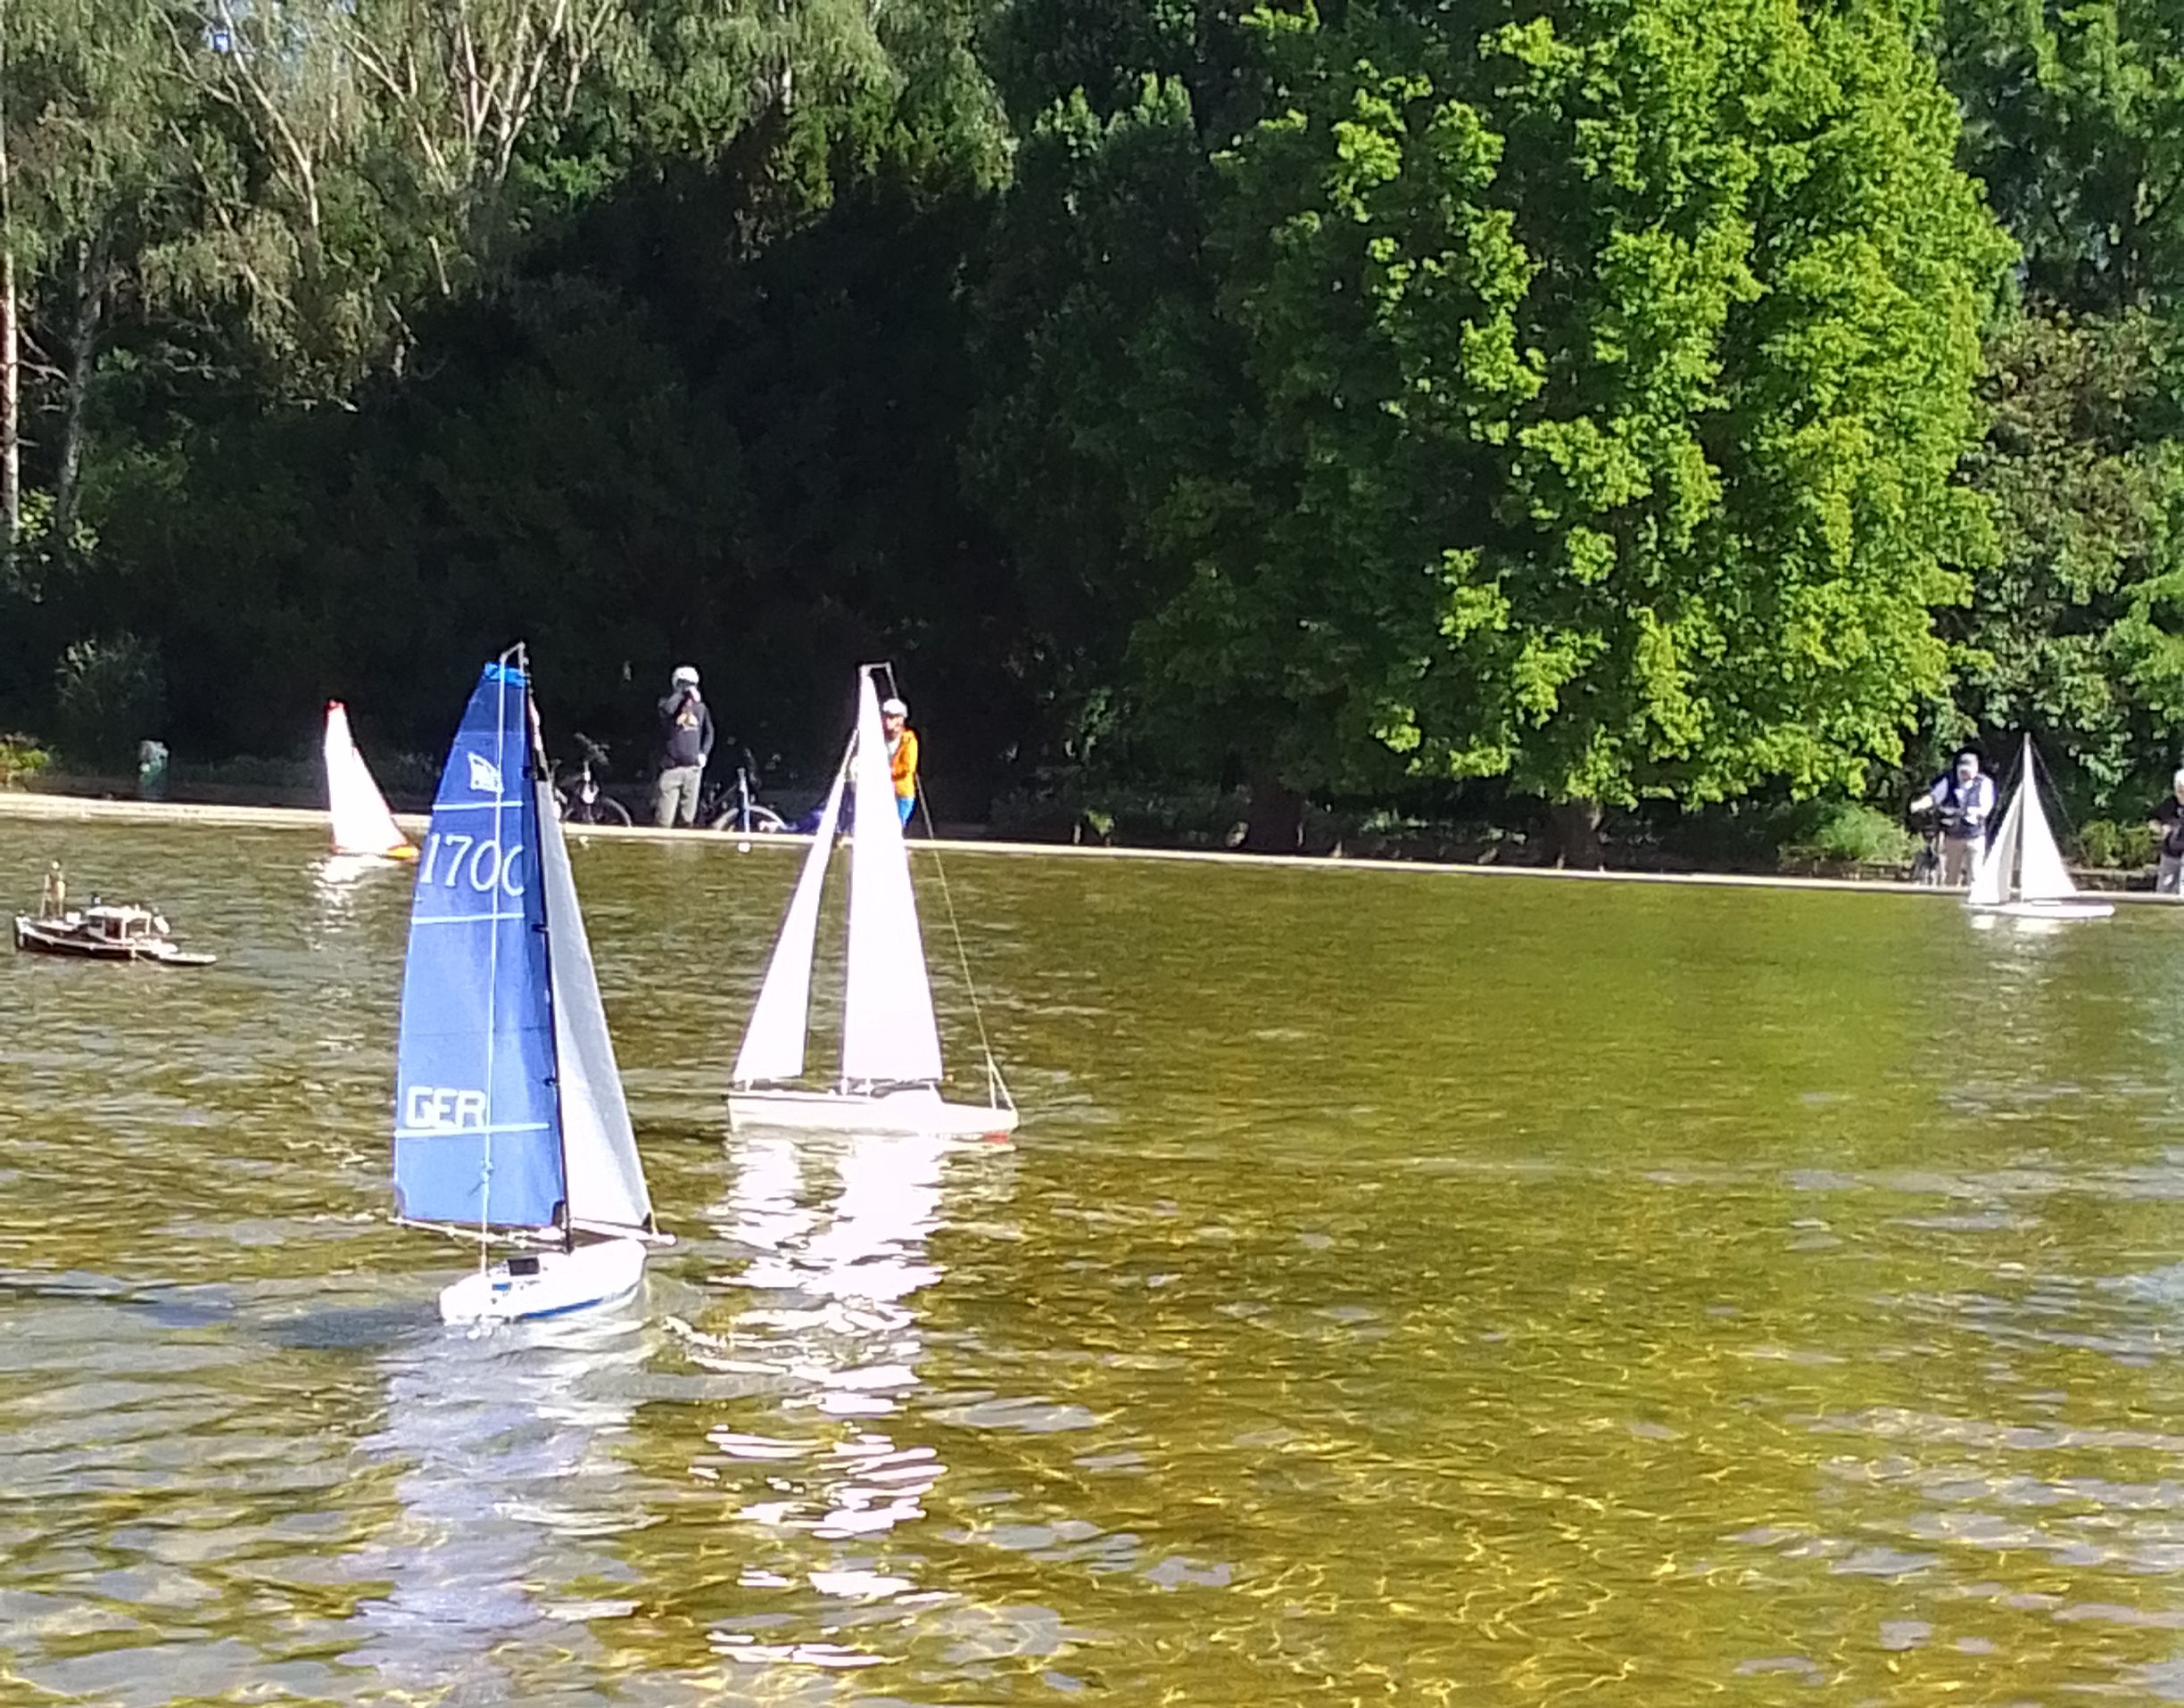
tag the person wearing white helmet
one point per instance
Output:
(2168, 824)
(902, 755)
(686, 743)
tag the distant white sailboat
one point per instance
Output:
(362, 825)
(510, 1123)
(891, 1054)
(2023, 876)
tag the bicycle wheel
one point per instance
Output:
(611, 812)
(766, 820)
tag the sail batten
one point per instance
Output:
(477, 1121)
(774, 1043)
(889, 1034)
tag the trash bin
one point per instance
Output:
(151, 770)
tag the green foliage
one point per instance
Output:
(1849, 832)
(110, 693)
(1352, 401)
(2106, 844)
(2074, 121)
(1575, 402)
(20, 759)
(2070, 632)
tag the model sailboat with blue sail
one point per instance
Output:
(509, 1122)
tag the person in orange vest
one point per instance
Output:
(902, 754)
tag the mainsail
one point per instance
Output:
(889, 1035)
(2043, 877)
(362, 825)
(477, 1123)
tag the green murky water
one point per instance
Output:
(1406, 1288)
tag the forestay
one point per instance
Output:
(889, 1035)
(606, 1181)
(478, 1126)
(361, 821)
(773, 1045)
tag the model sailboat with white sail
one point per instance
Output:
(510, 1123)
(2023, 876)
(890, 1048)
(362, 825)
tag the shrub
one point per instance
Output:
(21, 757)
(110, 694)
(1850, 830)
(2104, 842)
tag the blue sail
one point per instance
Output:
(478, 1117)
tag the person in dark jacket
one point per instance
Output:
(1963, 799)
(2167, 824)
(686, 743)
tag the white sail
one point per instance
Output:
(606, 1181)
(1990, 883)
(361, 821)
(2044, 877)
(887, 1030)
(774, 1043)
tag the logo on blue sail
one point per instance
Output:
(441, 1109)
(484, 775)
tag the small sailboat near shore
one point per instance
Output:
(890, 1050)
(362, 824)
(510, 1127)
(2023, 876)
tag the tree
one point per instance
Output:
(92, 206)
(1607, 376)
(2069, 633)
(2074, 121)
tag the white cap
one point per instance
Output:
(2178, 780)
(685, 674)
(893, 709)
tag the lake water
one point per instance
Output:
(1405, 1287)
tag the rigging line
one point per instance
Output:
(963, 958)
(2054, 793)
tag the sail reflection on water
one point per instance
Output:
(836, 1233)
(509, 1485)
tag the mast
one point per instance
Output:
(535, 771)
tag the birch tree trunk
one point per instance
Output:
(10, 346)
(83, 336)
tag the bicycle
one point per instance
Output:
(580, 795)
(734, 808)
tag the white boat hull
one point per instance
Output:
(918, 1110)
(2076, 908)
(594, 1274)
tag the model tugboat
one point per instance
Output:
(101, 931)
